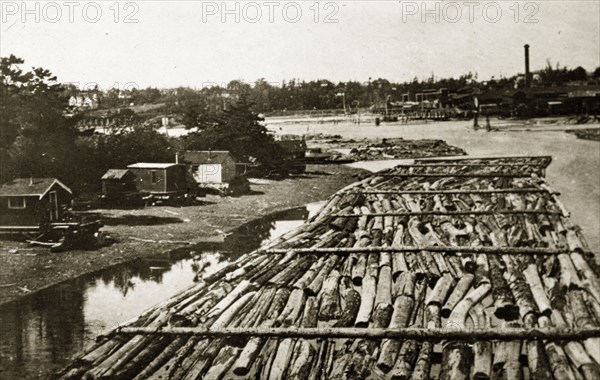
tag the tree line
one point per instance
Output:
(299, 95)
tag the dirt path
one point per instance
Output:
(30, 269)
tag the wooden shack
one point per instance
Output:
(118, 182)
(159, 178)
(211, 166)
(216, 171)
(28, 203)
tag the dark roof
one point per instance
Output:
(201, 157)
(292, 145)
(30, 186)
(115, 174)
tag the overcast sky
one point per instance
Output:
(187, 43)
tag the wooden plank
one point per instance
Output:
(520, 190)
(435, 248)
(451, 213)
(443, 165)
(423, 334)
(458, 175)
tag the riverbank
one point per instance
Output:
(25, 270)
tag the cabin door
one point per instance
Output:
(53, 198)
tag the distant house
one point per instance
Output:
(216, 166)
(84, 100)
(27, 203)
(118, 182)
(160, 179)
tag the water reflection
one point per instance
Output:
(40, 334)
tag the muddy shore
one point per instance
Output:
(31, 269)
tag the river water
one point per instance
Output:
(42, 333)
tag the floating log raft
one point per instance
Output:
(396, 277)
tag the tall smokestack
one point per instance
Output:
(527, 74)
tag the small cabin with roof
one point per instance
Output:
(212, 166)
(31, 202)
(118, 182)
(159, 178)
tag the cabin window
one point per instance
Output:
(154, 177)
(16, 202)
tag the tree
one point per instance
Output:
(578, 73)
(240, 131)
(597, 72)
(37, 139)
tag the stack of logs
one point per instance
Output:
(454, 250)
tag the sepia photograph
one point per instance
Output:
(306, 190)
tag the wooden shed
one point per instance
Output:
(118, 182)
(159, 178)
(28, 203)
(216, 166)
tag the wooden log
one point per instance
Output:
(351, 299)
(223, 361)
(582, 319)
(281, 360)
(461, 288)
(403, 306)
(359, 269)
(440, 291)
(293, 308)
(260, 306)
(482, 271)
(456, 362)
(568, 274)
(559, 364)
(590, 280)
(537, 289)
(315, 286)
(405, 284)
(372, 268)
(294, 270)
(504, 303)
(506, 363)
(243, 287)
(519, 288)
(304, 353)
(125, 353)
(482, 350)
(459, 313)
(581, 360)
(406, 357)
(310, 274)
(330, 298)
(244, 361)
(384, 286)
(369, 288)
(539, 368)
